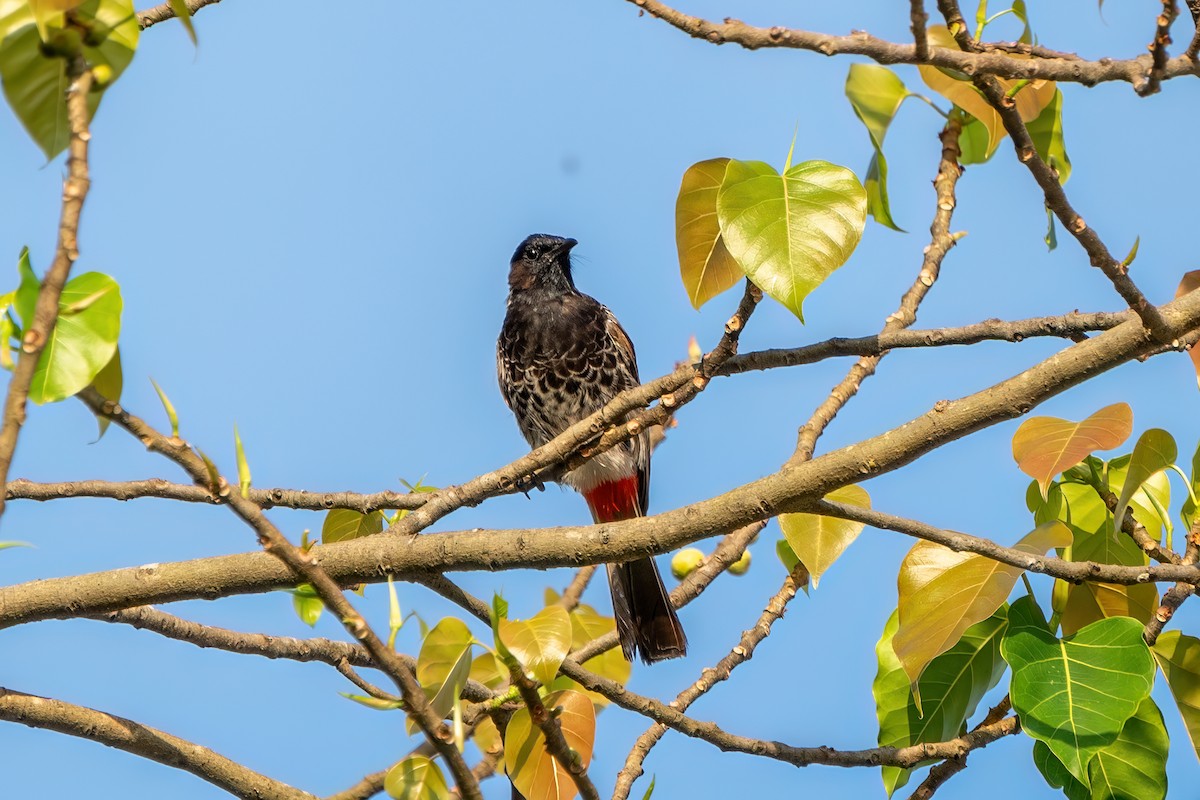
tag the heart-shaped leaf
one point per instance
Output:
(1045, 446)
(539, 643)
(35, 79)
(1075, 694)
(790, 232)
(818, 540)
(533, 771)
(950, 687)
(705, 265)
(942, 593)
(343, 524)
(416, 778)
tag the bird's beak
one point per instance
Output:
(565, 247)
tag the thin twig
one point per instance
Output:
(164, 12)
(952, 766)
(45, 313)
(940, 243)
(574, 591)
(1065, 70)
(1158, 48)
(141, 740)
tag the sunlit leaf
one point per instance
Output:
(1056, 773)
(489, 670)
(1135, 765)
(942, 593)
(343, 524)
(533, 771)
(790, 232)
(1075, 694)
(444, 663)
(706, 266)
(587, 624)
(416, 778)
(6, 545)
(168, 406)
(818, 540)
(875, 94)
(1046, 130)
(1155, 451)
(488, 740)
(243, 466)
(376, 703)
(184, 15)
(307, 603)
(108, 383)
(395, 617)
(35, 78)
(1178, 656)
(950, 689)
(539, 643)
(1045, 446)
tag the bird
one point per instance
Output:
(562, 356)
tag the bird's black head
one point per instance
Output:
(542, 262)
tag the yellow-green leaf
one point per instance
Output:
(1046, 130)
(83, 340)
(1045, 446)
(817, 540)
(444, 663)
(942, 593)
(588, 624)
(489, 670)
(343, 524)
(790, 232)
(1178, 657)
(875, 94)
(108, 383)
(416, 778)
(184, 15)
(169, 407)
(243, 466)
(533, 771)
(307, 604)
(539, 643)
(1155, 451)
(705, 265)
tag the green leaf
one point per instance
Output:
(108, 383)
(1135, 765)
(416, 778)
(1133, 251)
(344, 524)
(35, 79)
(25, 299)
(6, 545)
(184, 15)
(307, 603)
(395, 618)
(875, 94)
(705, 265)
(540, 643)
(172, 417)
(818, 540)
(942, 593)
(533, 771)
(1057, 775)
(790, 232)
(1046, 130)
(975, 143)
(1149, 502)
(1178, 656)
(83, 340)
(1075, 694)
(950, 687)
(650, 788)
(444, 663)
(1155, 451)
(1083, 510)
(243, 466)
(1051, 237)
(1188, 512)
(375, 703)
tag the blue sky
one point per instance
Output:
(311, 218)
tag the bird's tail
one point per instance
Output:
(646, 620)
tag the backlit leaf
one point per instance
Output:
(533, 771)
(587, 624)
(1045, 446)
(243, 466)
(343, 524)
(1046, 130)
(875, 94)
(184, 15)
(1155, 451)
(1135, 765)
(108, 383)
(1057, 775)
(790, 232)
(706, 266)
(83, 340)
(416, 778)
(950, 689)
(168, 406)
(444, 663)
(1178, 656)
(818, 540)
(1075, 694)
(307, 603)
(539, 643)
(942, 593)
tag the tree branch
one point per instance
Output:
(1065, 69)
(952, 766)
(141, 740)
(164, 12)
(1158, 48)
(45, 313)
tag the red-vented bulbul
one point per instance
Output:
(561, 357)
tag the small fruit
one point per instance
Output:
(685, 562)
(742, 565)
(102, 75)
